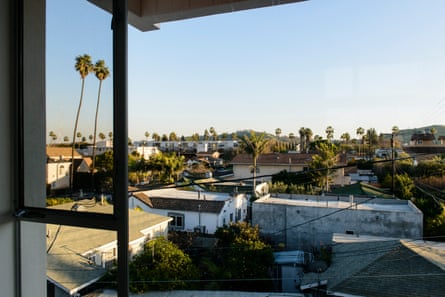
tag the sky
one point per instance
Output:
(339, 63)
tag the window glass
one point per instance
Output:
(79, 97)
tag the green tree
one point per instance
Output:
(161, 266)
(254, 144)
(243, 255)
(167, 166)
(66, 139)
(322, 163)
(101, 71)
(104, 171)
(84, 66)
(404, 185)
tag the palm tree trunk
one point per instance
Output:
(94, 134)
(74, 136)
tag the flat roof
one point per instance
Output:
(321, 201)
(182, 194)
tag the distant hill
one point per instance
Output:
(405, 134)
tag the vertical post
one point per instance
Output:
(393, 165)
(120, 142)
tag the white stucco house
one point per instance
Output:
(58, 166)
(78, 257)
(192, 210)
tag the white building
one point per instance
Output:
(192, 211)
(58, 166)
(309, 220)
(146, 151)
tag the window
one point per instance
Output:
(178, 221)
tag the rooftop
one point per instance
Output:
(190, 195)
(67, 263)
(375, 204)
(376, 266)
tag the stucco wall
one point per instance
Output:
(303, 226)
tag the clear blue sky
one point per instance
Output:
(344, 63)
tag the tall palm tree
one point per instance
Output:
(308, 133)
(84, 66)
(254, 144)
(302, 133)
(101, 71)
(329, 133)
(146, 135)
(360, 132)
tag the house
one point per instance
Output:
(78, 257)
(306, 221)
(378, 266)
(269, 164)
(58, 166)
(193, 210)
(273, 163)
(425, 143)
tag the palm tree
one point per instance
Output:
(102, 136)
(360, 132)
(155, 136)
(433, 131)
(79, 135)
(146, 135)
(84, 66)
(101, 71)
(302, 133)
(255, 144)
(110, 135)
(308, 133)
(345, 137)
(278, 132)
(329, 133)
(66, 138)
(53, 136)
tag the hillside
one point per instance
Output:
(405, 134)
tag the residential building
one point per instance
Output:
(193, 210)
(78, 257)
(147, 151)
(378, 266)
(58, 166)
(306, 221)
(269, 164)
(273, 163)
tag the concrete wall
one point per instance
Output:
(300, 226)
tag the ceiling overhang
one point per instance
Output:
(146, 15)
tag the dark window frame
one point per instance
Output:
(118, 221)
